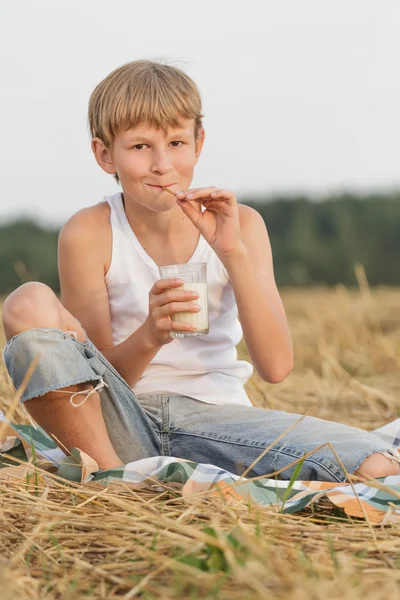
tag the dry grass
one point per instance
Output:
(70, 542)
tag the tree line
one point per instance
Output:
(313, 242)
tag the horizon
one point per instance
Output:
(288, 196)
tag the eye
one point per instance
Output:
(176, 143)
(139, 146)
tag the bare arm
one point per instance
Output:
(81, 266)
(260, 307)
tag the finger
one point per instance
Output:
(194, 194)
(193, 213)
(178, 326)
(169, 325)
(162, 285)
(177, 307)
(176, 296)
(220, 206)
(224, 195)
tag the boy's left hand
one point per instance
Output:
(219, 223)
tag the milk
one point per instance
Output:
(200, 318)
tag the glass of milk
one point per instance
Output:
(194, 276)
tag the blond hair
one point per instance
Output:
(139, 91)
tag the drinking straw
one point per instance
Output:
(168, 190)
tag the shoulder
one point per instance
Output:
(250, 220)
(90, 221)
(89, 229)
(254, 232)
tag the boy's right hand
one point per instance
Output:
(165, 299)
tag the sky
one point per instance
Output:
(298, 95)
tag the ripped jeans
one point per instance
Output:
(230, 436)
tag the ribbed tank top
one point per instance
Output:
(204, 367)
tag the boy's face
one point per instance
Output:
(146, 158)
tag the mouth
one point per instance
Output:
(160, 187)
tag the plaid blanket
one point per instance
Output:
(378, 501)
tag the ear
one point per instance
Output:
(103, 156)
(199, 143)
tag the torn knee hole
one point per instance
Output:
(100, 385)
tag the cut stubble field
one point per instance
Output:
(68, 542)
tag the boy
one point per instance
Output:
(108, 342)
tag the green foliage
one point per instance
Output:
(212, 558)
(313, 242)
(320, 242)
(28, 252)
(292, 481)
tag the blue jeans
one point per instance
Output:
(229, 436)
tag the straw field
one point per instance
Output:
(71, 542)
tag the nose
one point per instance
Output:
(161, 163)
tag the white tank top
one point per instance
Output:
(204, 367)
